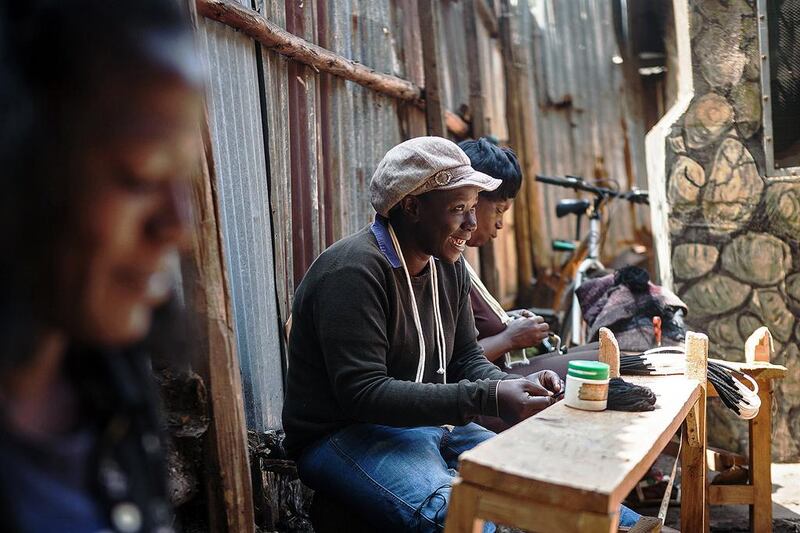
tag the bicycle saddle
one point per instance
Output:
(572, 206)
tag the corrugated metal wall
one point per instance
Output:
(585, 127)
(240, 162)
(295, 148)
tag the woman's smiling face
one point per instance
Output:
(446, 221)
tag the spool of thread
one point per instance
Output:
(587, 385)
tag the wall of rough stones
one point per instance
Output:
(734, 232)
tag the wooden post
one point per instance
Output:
(521, 119)
(694, 505)
(477, 119)
(229, 490)
(429, 34)
(761, 461)
(609, 352)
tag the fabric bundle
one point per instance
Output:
(626, 302)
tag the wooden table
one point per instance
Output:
(568, 470)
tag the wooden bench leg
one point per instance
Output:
(462, 511)
(694, 505)
(761, 461)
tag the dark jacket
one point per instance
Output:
(128, 472)
(353, 348)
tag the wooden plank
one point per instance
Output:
(208, 295)
(543, 458)
(694, 506)
(730, 495)
(719, 460)
(761, 462)
(429, 32)
(531, 516)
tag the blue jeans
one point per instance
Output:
(397, 479)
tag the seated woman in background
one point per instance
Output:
(501, 332)
(99, 106)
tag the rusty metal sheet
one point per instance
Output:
(583, 121)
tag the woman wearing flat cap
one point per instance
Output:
(385, 373)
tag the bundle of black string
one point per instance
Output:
(625, 396)
(728, 382)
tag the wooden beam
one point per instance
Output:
(229, 490)
(276, 38)
(477, 104)
(731, 495)
(758, 346)
(694, 505)
(429, 35)
(207, 293)
(521, 120)
(273, 37)
(761, 461)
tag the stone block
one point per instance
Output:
(793, 289)
(746, 99)
(734, 187)
(685, 180)
(721, 59)
(783, 209)
(714, 295)
(724, 332)
(757, 259)
(707, 119)
(690, 261)
(770, 306)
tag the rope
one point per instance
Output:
(437, 315)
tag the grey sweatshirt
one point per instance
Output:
(354, 349)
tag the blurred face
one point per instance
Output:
(446, 221)
(490, 220)
(132, 214)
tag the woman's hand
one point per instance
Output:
(525, 332)
(548, 380)
(518, 399)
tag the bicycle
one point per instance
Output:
(585, 255)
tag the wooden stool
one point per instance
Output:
(758, 492)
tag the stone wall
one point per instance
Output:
(734, 232)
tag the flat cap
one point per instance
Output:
(420, 165)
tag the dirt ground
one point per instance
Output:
(734, 518)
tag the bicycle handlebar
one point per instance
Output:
(635, 196)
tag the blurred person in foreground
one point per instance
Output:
(99, 102)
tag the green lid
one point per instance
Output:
(588, 370)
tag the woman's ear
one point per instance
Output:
(410, 207)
